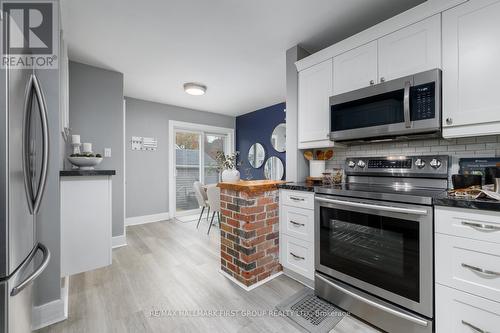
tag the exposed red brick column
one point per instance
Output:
(249, 234)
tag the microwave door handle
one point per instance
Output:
(406, 104)
(42, 108)
(26, 153)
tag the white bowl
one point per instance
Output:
(85, 163)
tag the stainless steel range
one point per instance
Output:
(374, 240)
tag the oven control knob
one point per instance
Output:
(351, 164)
(419, 163)
(361, 164)
(435, 163)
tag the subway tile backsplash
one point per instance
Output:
(483, 146)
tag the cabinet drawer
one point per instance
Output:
(459, 312)
(468, 265)
(297, 199)
(297, 222)
(480, 225)
(297, 255)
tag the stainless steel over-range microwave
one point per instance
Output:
(400, 108)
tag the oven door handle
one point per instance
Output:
(375, 207)
(382, 307)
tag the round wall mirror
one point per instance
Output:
(278, 138)
(256, 155)
(273, 169)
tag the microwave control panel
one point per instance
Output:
(423, 101)
(390, 164)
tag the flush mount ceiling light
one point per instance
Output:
(195, 89)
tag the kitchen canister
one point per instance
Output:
(316, 168)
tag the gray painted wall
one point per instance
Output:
(96, 113)
(147, 172)
(296, 166)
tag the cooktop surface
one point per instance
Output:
(395, 192)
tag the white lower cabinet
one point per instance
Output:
(467, 270)
(460, 312)
(297, 234)
(298, 256)
(86, 221)
(468, 265)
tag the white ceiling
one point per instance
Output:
(235, 47)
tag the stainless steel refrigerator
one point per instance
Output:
(24, 152)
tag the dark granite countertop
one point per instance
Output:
(77, 172)
(297, 187)
(482, 204)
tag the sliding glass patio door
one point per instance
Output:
(187, 168)
(195, 160)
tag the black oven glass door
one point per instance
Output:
(378, 110)
(380, 250)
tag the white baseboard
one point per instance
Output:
(118, 241)
(147, 218)
(49, 313)
(253, 286)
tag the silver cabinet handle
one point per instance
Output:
(406, 104)
(375, 207)
(480, 270)
(297, 257)
(297, 223)
(382, 307)
(26, 282)
(474, 328)
(42, 107)
(449, 121)
(482, 226)
(372, 82)
(296, 199)
(382, 79)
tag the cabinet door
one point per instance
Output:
(411, 50)
(355, 69)
(315, 89)
(460, 312)
(86, 222)
(471, 66)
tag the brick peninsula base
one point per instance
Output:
(250, 230)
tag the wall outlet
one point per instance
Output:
(107, 152)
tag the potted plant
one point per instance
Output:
(227, 164)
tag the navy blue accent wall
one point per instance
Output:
(255, 127)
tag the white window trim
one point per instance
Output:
(174, 125)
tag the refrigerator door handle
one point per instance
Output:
(26, 145)
(42, 107)
(26, 282)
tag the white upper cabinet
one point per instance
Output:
(315, 89)
(411, 50)
(471, 69)
(355, 69)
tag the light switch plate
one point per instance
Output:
(107, 152)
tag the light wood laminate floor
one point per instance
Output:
(170, 266)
